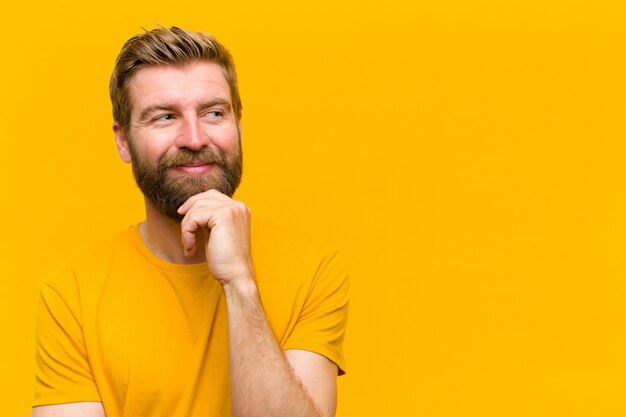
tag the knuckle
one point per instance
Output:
(241, 206)
(230, 209)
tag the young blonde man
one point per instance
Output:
(202, 309)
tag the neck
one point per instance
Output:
(162, 237)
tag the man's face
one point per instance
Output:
(183, 137)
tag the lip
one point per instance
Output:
(195, 169)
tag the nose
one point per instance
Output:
(191, 135)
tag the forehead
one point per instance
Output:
(181, 85)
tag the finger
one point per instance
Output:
(210, 194)
(188, 229)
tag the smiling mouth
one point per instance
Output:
(195, 169)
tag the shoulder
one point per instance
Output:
(276, 243)
(287, 263)
(87, 268)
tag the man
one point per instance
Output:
(200, 310)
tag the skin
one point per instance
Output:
(190, 107)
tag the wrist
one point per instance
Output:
(241, 288)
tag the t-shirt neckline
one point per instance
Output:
(160, 263)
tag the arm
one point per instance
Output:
(264, 380)
(82, 409)
(64, 384)
(318, 374)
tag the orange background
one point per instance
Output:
(467, 156)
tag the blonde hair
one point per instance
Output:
(167, 46)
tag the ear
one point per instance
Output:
(122, 143)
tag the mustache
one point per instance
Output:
(188, 156)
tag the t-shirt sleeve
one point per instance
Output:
(321, 325)
(62, 371)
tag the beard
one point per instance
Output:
(169, 192)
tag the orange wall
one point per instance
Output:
(466, 155)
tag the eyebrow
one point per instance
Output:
(145, 113)
(154, 108)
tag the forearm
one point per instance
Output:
(262, 382)
(79, 409)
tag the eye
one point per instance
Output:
(163, 119)
(214, 114)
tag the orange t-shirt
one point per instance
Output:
(149, 338)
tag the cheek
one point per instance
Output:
(227, 139)
(154, 146)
